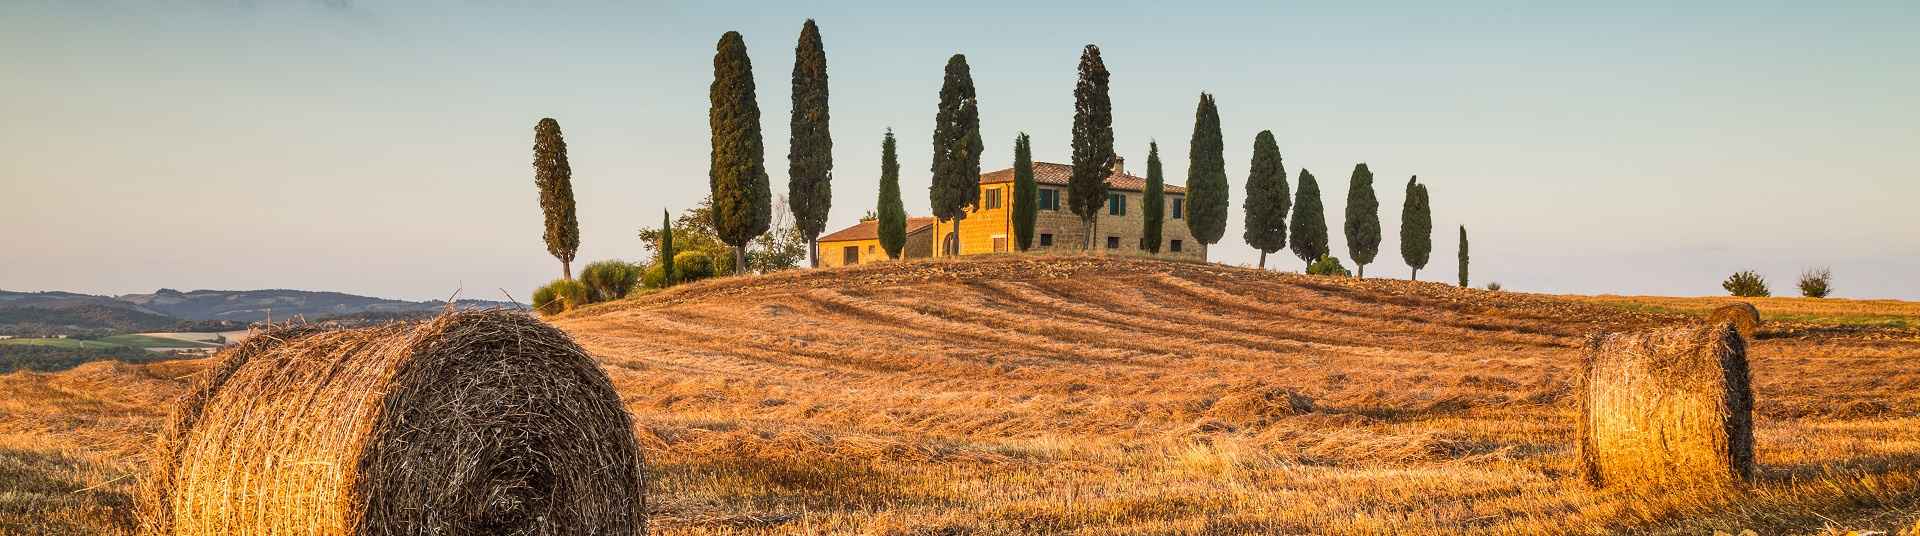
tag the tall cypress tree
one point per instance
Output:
(1463, 256)
(1416, 227)
(1267, 198)
(956, 149)
(1092, 142)
(810, 153)
(555, 179)
(892, 211)
(1026, 193)
(1309, 240)
(1363, 219)
(742, 199)
(666, 249)
(1207, 175)
(1153, 203)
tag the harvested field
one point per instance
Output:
(1102, 396)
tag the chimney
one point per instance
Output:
(1119, 165)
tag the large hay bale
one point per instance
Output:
(1743, 315)
(1666, 409)
(486, 422)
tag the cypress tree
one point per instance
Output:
(1153, 203)
(666, 248)
(956, 149)
(555, 179)
(1363, 219)
(810, 156)
(1463, 256)
(1309, 240)
(1207, 175)
(1267, 198)
(1092, 142)
(742, 199)
(892, 211)
(1026, 193)
(1416, 227)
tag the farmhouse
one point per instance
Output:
(861, 243)
(988, 227)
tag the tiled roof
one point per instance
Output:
(1057, 174)
(870, 229)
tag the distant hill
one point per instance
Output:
(39, 312)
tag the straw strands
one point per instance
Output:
(480, 422)
(1666, 409)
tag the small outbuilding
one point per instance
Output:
(861, 243)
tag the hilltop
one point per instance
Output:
(1105, 396)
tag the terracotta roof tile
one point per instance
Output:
(870, 229)
(1057, 174)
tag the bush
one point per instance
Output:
(1816, 283)
(609, 280)
(1494, 286)
(655, 278)
(1327, 266)
(693, 266)
(1747, 284)
(560, 296)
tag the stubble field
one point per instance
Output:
(1097, 396)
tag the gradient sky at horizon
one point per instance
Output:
(384, 148)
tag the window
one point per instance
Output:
(1179, 210)
(1049, 199)
(1175, 246)
(852, 255)
(999, 244)
(1046, 239)
(1113, 242)
(990, 198)
(869, 250)
(1117, 204)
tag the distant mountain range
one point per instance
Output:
(166, 306)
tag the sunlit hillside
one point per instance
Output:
(1096, 395)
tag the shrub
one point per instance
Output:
(655, 278)
(1493, 285)
(693, 266)
(1816, 282)
(1747, 284)
(609, 280)
(1327, 266)
(560, 296)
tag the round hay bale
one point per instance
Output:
(1666, 409)
(1743, 315)
(483, 422)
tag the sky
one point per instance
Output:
(384, 148)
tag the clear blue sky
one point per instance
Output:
(384, 148)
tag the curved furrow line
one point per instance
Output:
(1201, 311)
(725, 344)
(845, 340)
(1348, 305)
(1235, 342)
(958, 333)
(1380, 334)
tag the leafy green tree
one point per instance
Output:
(666, 249)
(1309, 240)
(810, 157)
(1092, 142)
(1267, 198)
(1363, 219)
(1207, 175)
(693, 231)
(555, 179)
(1816, 282)
(893, 211)
(1153, 203)
(1463, 256)
(742, 199)
(1026, 193)
(609, 280)
(1747, 284)
(781, 247)
(1416, 227)
(956, 149)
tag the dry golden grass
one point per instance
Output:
(1100, 396)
